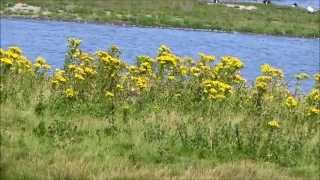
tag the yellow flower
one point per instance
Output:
(262, 82)
(145, 68)
(195, 71)
(268, 70)
(41, 63)
(216, 90)
(274, 124)
(317, 78)
(168, 59)
(61, 79)
(6, 61)
(313, 111)
(119, 87)
(171, 78)
(291, 102)
(72, 67)
(227, 68)
(79, 70)
(85, 57)
(79, 76)
(74, 43)
(58, 78)
(55, 83)
(109, 94)
(238, 79)
(141, 82)
(232, 62)
(15, 50)
(145, 59)
(163, 49)
(314, 97)
(37, 65)
(70, 92)
(46, 66)
(206, 58)
(108, 60)
(183, 70)
(40, 60)
(89, 71)
(133, 69)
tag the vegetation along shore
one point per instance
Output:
(252, 18)
(166, 117)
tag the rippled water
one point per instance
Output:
(49, 38)
(302, 3)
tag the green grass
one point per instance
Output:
(273, 20)
(152, 133)
(144, 147)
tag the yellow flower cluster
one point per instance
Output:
(229, 63)
(262, 83)
(70, 93)
(216, 90)
(109, 61)
(228, 70)
(195, 71)
(85, 58)
(317, 77)
(14, 60)
(204, 58)
(314, 96)
(140, 82)
(145, 64)
(74, 43)
(81, 72)
(166, 57)
(58, 78)
(268, 70)
(109, 94)
(270, 75)
(103, 74)
(274, 124)
(313, 111)
(291, 102)
(41, 63)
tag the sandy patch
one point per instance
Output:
(241, 7)
(24, 8)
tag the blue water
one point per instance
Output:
(49, 39)
(301, 3)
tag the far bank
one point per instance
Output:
(250, 18)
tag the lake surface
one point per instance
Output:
(301, 3)
(49, 39)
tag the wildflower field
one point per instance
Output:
(162, 117)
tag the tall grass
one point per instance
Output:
(165, 117)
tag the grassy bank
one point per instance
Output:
(180, 13)
(164, 117)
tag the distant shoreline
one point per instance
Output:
(252, 19)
